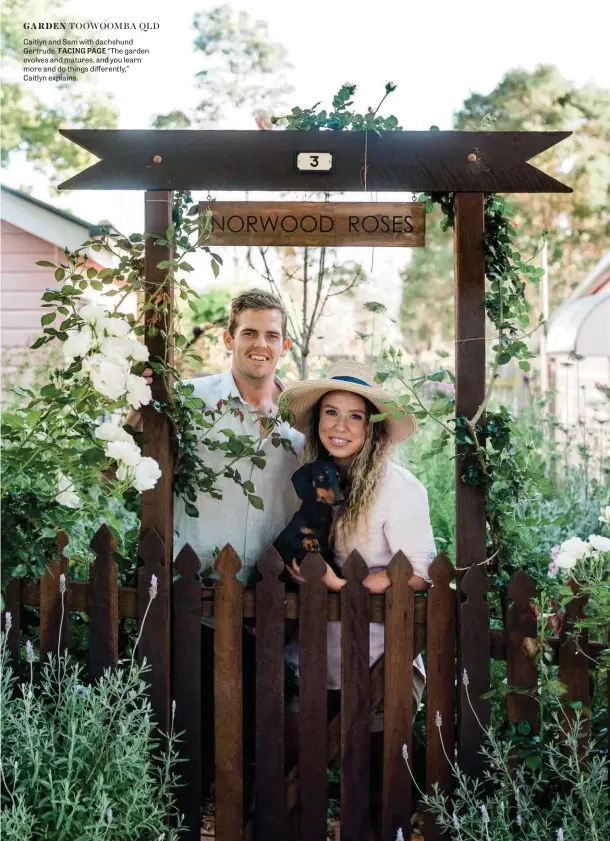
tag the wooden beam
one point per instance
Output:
(441, 161)
(157, 504)
(471, 538)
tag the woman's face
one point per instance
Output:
(342, 427)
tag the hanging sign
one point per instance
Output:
(317, 223)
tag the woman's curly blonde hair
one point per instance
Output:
(365, 471)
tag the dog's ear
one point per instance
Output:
(301, 480)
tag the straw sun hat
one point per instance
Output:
(356, 377)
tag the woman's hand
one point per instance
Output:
(148, 375)
(378, 582)
(332, 581)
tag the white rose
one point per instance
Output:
(146, 474)
(93, 314)
(65, 493)
(138, 350)
(109, 378)
(575, 547)
(566, 561)
(126, 452)
(599, 543)
(109, 431)
(78, 343)
(262, 116)
(138, 391)
(116, 327)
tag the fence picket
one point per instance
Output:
(312, 700)
(154, 633)
(269, 817)
(12, 605)
(186, 684)
(103, 605)
(474, 650)
(521, 670)
(574, 661)
(52, 639)
(355, 702)
(440, 689)
(228, 702)
(398, 700)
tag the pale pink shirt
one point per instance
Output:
(398, 519)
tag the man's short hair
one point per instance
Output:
(255, 299)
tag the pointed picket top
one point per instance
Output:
(313, 566)
(152, 548)
(521, 588)
(474, 583)
(62, 541)
(228, 562)
(441, 569)
(270, 564)
(399, 565)
(355, 568)
(187, 563)
(103, 543)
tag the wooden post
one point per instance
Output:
(157, 504)
(471, 541)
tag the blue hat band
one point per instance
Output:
(352, 380)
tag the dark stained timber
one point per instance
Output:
(442, 161)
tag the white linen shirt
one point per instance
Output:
(232, 519)
(398, 519)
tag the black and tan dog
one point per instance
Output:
(318, 485)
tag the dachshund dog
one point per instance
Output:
(318, 485)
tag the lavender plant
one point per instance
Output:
(78, 759)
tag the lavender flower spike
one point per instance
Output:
(560, 834)
(405, 754)
(152, 590)
(484, 813)
(438, 719)
(29, 651)
(62, 583)
(456, 821)
(465, 678)
(400, 836)
(8, 621)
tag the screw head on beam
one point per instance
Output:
(157, 159)
(472, 158)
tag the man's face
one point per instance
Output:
(257, 344)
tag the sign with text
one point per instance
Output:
(317, 223)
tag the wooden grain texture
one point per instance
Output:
(440, 687)
(469, 266)
(355, 702)
(154, 630)
(312, 700)
(53, 617)
(270, 817)
(475, 661)
(157, 503)
(317, 223)
(574, 661)
(265, 160)
(521, 669)
(398, 700)
(186, 683)
(12, 605)
(103, 605)
(228, 700)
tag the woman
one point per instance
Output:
(386, 507)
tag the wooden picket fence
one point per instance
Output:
(412, 623)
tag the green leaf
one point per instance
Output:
(60, 274)
(259, 462)
(215, 268)
(525, 366)
(171, 231)
(47, 319)
(256, 502)
(91, 273)
(379, 417)
(191, 510)
(532, 761)
(45, 263)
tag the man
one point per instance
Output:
(257, 339)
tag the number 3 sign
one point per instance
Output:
(314, 162)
